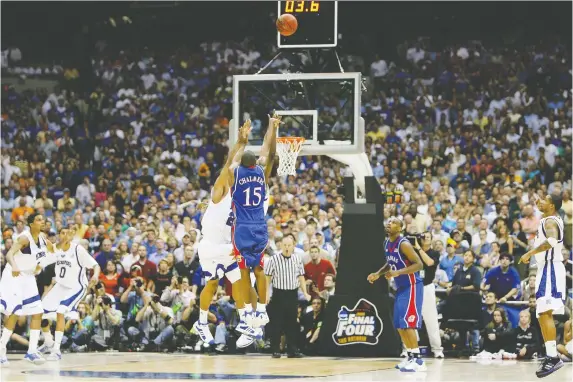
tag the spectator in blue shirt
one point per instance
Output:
(503, 280)
(450, 262)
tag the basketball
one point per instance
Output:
(287, 24)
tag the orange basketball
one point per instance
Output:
(287, 24)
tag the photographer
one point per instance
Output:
(177, 296)
(78, 331)
(431, 260)
(97, 291)
(133, 297)
(106, 321)
(153, 323)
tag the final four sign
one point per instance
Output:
(361, 325)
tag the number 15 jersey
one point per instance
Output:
(249, 194)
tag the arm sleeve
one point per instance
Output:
(85, 259)
(269, 267)
(300, 267)
(49, 259)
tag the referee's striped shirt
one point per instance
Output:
(284, 271)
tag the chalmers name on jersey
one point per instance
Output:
(249, 194)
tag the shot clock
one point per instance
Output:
(317, 24)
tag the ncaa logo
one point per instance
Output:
(412, 318)
(360, 325)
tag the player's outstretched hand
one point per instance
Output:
(372, 277)
(275, 120)
(244, 131)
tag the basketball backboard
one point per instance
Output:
(324, 108)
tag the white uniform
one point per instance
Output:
(19, 295)
(71, 279)
(550, 278)
(215, 247)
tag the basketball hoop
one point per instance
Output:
(288, 149)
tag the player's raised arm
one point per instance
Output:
(226, 177)
(269, 148)
(22, 242)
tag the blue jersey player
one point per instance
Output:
(250, 234)
(404, 265)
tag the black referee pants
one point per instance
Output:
(283, 311)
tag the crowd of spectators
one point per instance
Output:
(460, 139)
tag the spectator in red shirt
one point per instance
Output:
(148, 268)
(316, 270)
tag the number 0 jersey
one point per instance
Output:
(249, 193)
(397, 261)
(71, 265)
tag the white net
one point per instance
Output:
(288, 149)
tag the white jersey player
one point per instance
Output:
(215, 249)
(72, 262)
(18, 289)
(550, 279)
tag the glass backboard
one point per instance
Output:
(324, 108)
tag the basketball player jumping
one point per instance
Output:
(250, 234)
(18, 289)
(215, 245)
(550, 279)
(72, 261)
(404, 265)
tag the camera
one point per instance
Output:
(138, 283)
(105, 300)
(412, 238)
(155, 298)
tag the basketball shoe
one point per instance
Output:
(3, 358)
(415, 364)
(36, 358)
(549, 366)
(204, 333)
(54, 356)
(246, 341)
(260, 319)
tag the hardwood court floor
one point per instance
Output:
(172, 367)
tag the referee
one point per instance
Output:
(285, 273)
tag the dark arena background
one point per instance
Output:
(454, 117)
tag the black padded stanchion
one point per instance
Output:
(358, 318)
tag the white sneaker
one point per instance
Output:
(439, 354)
(245, 329)
(245, 341)
(45, 349)
(204, 332)
(36, 358)
(403, 363)
(198, 345)
(54, 356)
(260, 319)
(3, 358)
(415, 364)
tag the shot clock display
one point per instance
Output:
(317, 24)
